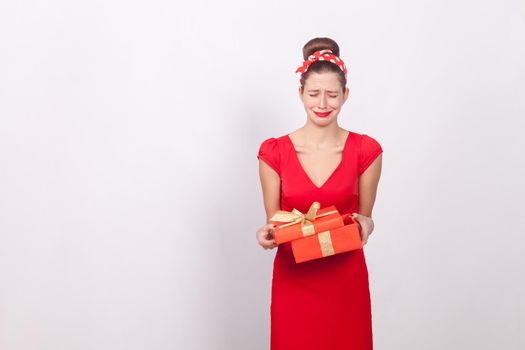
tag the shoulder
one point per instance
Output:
(369, 141)
(273, 142)
(369, 149)
(364, 140)
(269, 142)
(270, 152)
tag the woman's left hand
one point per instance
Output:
(366, 226)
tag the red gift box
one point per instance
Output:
(294, 225)
(328, 242)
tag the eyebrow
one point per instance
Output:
(316, 90)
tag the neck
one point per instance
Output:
(314, 135)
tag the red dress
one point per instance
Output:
(323, 304)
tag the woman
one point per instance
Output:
(322, 304)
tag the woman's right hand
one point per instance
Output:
(265, 236)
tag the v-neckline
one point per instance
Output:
(333, 172)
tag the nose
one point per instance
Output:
(322, 103)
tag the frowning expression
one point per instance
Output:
(323, 97)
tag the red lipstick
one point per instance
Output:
(322, 114)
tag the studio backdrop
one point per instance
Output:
(129, 184)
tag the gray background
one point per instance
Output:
(129, 189)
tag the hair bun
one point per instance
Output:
(320, 44)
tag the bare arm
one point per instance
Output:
(368, 183)
(271, 188)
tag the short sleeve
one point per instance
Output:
(269, 152)
(370, 150)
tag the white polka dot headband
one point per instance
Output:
(321, 55)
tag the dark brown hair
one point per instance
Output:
(322, 66)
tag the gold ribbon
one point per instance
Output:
(295, 216)
(325, 241)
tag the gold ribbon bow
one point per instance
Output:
(295, 216)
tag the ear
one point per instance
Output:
(300, 94)
(346, 94)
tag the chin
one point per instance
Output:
(323, 121)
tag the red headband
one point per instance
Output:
(321, 55)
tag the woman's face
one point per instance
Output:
(323, 97)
